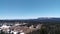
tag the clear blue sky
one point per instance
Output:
(26, 9)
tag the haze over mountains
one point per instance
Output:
(38, 20)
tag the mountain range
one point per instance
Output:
(38, 20)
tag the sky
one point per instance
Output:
(29, 9)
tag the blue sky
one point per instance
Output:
(26, 9)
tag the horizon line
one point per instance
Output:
(25, 18)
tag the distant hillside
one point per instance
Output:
(39, 20)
